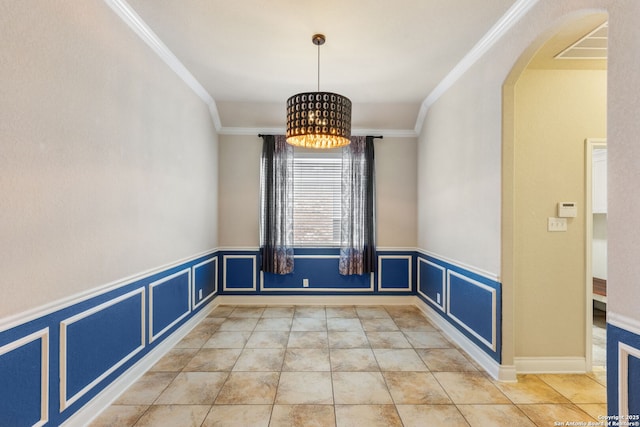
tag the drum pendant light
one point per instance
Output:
(318, 119)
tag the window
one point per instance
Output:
(317, 197)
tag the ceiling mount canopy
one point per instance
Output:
(318, 119)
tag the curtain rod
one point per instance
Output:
(260, 135)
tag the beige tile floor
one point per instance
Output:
(339, 366)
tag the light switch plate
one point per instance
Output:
(556, 224)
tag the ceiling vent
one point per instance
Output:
(591, 46)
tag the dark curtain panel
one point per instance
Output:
(276, 210)
(358, 235)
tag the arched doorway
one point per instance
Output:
(550, 107)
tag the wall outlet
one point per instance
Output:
(438, 297)
(200, 294)
(305, 283)
(556, 224)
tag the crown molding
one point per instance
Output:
(225, 130)
(133, 20)
(390, 133)
(519, 9)
(506, 22)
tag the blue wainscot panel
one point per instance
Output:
(394, 273)
(205, 281)
(52, 364)
(96, 342)
(472, 305)
(321, 273)
(431, 282)
(623, 372)
(239, 272)
(24, 381)
(169, 302)
(469, 301)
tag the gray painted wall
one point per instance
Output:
(240, 188)
(460, 203)
(108, 160)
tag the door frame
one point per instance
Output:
(590, 144)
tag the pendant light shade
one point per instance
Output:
(318, 119)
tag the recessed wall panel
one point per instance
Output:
(205, 281)
(97, 341)
(239, 272)
(24, 383)
(431, 282)
(472, 305)
(394, 273)
(169, 302)
(321, 273)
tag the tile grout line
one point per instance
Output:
(326, 333)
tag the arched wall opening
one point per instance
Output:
(549, 109)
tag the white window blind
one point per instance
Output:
(317, 198)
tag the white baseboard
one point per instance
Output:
(506, 373)
(106, 397)
(316, 299)
(550, 365)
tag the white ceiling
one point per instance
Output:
(386, 56)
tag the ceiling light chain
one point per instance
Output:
(318, 40)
